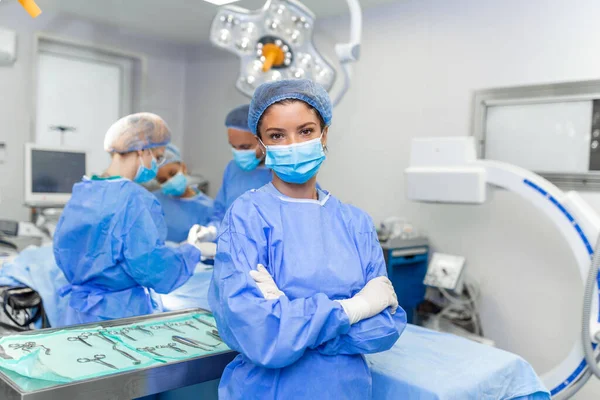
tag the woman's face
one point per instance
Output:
(168, 171)
(290, 123)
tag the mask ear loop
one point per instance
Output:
(263, 147)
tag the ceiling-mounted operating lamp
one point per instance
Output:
(275, 43)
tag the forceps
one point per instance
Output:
(193, 343)
(81, 338)
(124, 353)
(150, 350)
(97, 359)
(204, 322)
(142, 329)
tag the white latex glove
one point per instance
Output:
(201, 234)
(208, 250)
(377, 295)
(265, 283)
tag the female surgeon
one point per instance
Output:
(182, 204)
(245, 172)
(110, 240)
(299, 286)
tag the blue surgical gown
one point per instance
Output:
(300, 346)
(236, 182)
(110, 244)
(183, 213)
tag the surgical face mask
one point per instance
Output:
(176, 186)
(144, 174)
(296, 163)
(246, 159)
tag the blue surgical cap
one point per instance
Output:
(137, 132)
(172, 155)
(305, 90)
(238, 118)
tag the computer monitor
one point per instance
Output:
(50, 174)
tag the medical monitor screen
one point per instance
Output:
(55, 171)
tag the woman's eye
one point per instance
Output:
(306, 132)
(276, 136)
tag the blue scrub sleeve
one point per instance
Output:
(152, 264)
(220, 206)
(380, 332)
(271, 333)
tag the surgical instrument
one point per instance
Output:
(28, 346)
(172, 346)
(215, 335)
(124, 353)
(101, 335)
(143, 329)
(193, 343)
(97, 359)
(190, 324)
(204, 322)
(151, 350)
(165, 326)
(81, 338)
(125, 332)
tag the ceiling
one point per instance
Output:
(182, 21)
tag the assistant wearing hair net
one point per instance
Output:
(237, 181)
(182, 212)
(137, 132)
(110, 239)
(300, 89)
(172, 155)
(238, 118)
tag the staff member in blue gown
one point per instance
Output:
(183, 205)
(245, 172)
(299, 286)
(110, 240)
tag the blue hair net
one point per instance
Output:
(172, 154)
(137, 132)
(238, 118)
(305, 90)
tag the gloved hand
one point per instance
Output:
(265, 283)
(377, 295)
(201, 234)
(208, 250)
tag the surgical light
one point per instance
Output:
(220, 2)
(275, 43)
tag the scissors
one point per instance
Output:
(81, 338)
(97, 359)
(27, 347)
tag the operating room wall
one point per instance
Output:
(421, 61)
(164, 92)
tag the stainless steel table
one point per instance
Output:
(120, 386)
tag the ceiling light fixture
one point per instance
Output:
(275, 43)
